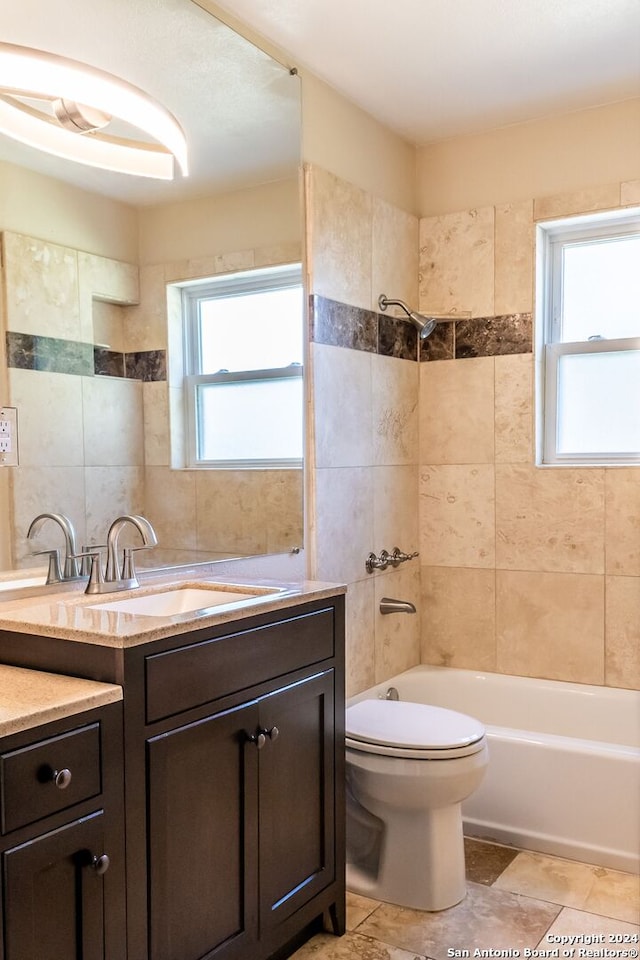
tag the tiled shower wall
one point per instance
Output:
(364, 423)
(525, 570)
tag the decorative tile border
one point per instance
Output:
(341, 325)
(48, 354)
(479, 337)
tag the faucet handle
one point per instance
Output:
(96, 576)
(128, 564)
(87, 554)
(54, 573)
(399, 556)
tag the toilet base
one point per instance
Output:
(421, 863)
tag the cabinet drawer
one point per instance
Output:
(29, 789)
(200, 672)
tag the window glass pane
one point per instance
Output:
(252, 420)
(252, 331)
(601, 289)
(599, 403)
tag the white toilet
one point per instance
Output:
(409, 767)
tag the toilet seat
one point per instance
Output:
(398, 728)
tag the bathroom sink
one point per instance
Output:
(169, 603)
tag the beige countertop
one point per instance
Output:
(72, 615)
(29, 698)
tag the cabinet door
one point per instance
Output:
(296, 774)
(203, 839)
(54, 901)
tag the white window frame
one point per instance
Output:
(552, 237)
(238, 284)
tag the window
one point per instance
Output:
(589, 340)
(244, 366)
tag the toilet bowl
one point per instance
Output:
(409, 767)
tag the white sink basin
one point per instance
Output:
(169, 603)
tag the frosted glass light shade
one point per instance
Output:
(34, 74)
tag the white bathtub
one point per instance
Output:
(564, 761)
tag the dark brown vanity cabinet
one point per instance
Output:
(241, 822)
(244, 826)
(234, 776)
(61, 840)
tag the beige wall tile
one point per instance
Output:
(232, 261)
(394, 410)
(340, 224)
(155, 398)
(49, 418)
(102, 279)
(550, 625)
(514, 408)
(343, 418)
(108, 279)
(45, 490)
(622, 521)
(395, 508)
(514, 253)
(112, 492)
(458, 617)
(622, 633)
(360, 637)
(107, 325)
(456, 411)
(549, 520)
(146, 324)
(601, 197)
(344, 523)
(457, 263)
(630, 193)
(41, 288)
(281, 500)
(394, 255)
(170, 505)
(230, 511)
(112, 422)
(279, 253)
(397, 635)
(457, 515)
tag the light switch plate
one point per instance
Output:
(8, 437)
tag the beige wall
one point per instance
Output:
(543, 157)
(340, 137)
(265, 216)
(525, 570)
(57, 212)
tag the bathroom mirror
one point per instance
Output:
(91, 340)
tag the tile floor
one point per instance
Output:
(516, 900)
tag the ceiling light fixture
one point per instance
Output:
(84, 100)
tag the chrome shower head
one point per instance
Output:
(424, 325)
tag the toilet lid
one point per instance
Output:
(413, 726)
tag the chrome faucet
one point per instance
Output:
(70, 571)
(118, 577)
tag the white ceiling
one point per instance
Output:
(427, 69)
(239, 108)
(432, 69)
